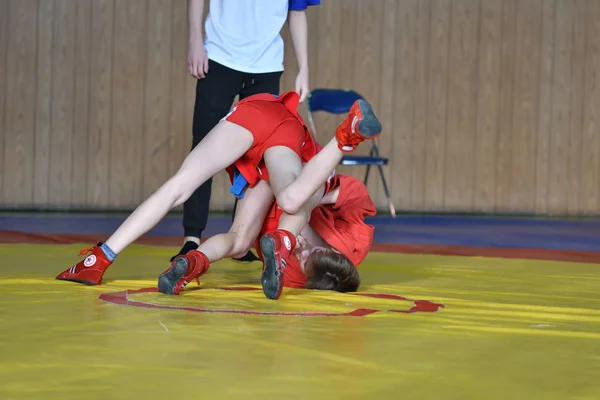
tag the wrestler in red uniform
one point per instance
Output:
(343, 220)
(261, 131)
(339, 226)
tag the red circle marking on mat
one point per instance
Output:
(122, 298)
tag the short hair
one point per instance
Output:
(330, 270)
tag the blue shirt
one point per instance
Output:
(300, 5)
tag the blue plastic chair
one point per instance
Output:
(339, 101)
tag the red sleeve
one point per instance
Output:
(342, 224)
(353, 202)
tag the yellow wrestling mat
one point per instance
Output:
(503, 329)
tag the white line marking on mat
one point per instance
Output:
(163, 325)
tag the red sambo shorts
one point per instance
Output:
(273, 121)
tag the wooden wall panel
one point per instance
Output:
(487, 105)
(155, 143)
(437, 106)
(505, 125)
(43, 102)
(3, 78)
(100, 105)
(61, 126)
(546, 99)
(488, 102)
(387, 69)
(400, 128)
(576, 141)
(590, 193)
(463, 106)
(179, 137)
(525, 105)
(20, 87)
(129, 81)
(561, 108)
(419, 125)
(81, 99)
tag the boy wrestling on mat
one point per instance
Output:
(262, 133)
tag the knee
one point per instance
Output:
(242, 244)
(178, 190)
(289, 201)
(240, 249)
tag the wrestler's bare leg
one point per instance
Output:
(360, 124)
(223, 145)
(250, 214)
(285, 167)
(298, 195)
(288, 176)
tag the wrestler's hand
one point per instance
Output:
(197, 60)
(302, 84)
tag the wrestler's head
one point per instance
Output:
(328, 269)
(325, 268)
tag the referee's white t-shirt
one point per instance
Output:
(244, 35)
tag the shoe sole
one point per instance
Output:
(89, 283)
(269, 279)
(168, 280)
(369, 125)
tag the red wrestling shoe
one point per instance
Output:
(360, 124)
(182, 271)
(90, 270)
(276, 247)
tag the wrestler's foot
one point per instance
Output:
(182, 271)
(88, 271)
(275, 247)
(248, 257)
(187, 246)
(360, 124)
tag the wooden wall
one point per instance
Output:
(487, 105)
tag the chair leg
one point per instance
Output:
(367, 174)
(369, 166)
(387, 193)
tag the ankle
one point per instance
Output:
(108, 252)
(203, 256)
(289, 239)
(344, 143)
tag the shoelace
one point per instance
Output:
(86, 251)
(185, 283)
